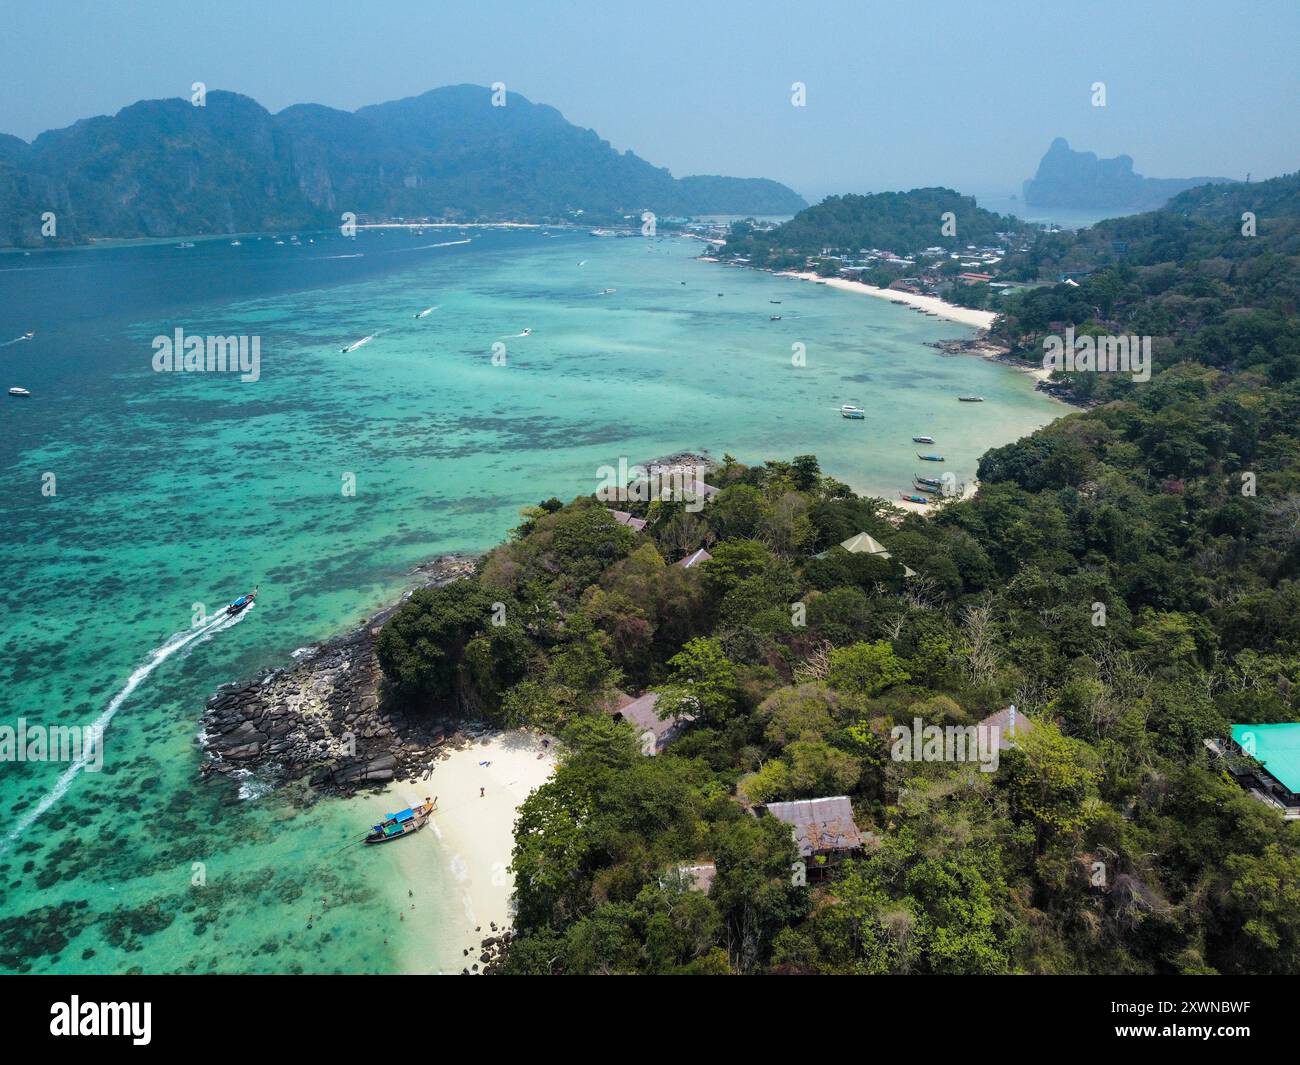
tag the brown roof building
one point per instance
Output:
(624, 518)
(823, 828)
(655, 732)
(1010, 723)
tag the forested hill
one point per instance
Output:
(900, 222)
(1128, 577)
(167, 168)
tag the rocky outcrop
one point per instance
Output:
(324, 720)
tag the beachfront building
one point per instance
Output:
(823, 829)
(693, 559)
(654, 732)
(1265, 760)
(1010, 724)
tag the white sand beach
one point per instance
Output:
(941, 308)
(453, 225)
(466, 847)
(968, 491)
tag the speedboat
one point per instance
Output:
(923, 440)
(775, 318)
(19, 392)
(850, 411)
(526, 333)
(970, 399)
(28, 336)
(242, 603)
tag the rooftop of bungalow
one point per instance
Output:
(821, 826)
(866, 544)
(624, 518)
(640, 712)
(690, 877)
(1010, 723)
(1265, 760)
(693, 559)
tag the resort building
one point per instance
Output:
(823, 830)
(866, 544)
(655, 732)
(693, 559)
(690, 877)
(1265, 760)
(624, 518)
(1009, 724)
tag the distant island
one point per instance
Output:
(1081, 180)
(163, 168)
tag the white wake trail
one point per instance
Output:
(157, 657)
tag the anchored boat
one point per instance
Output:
(931, 483)
(970, 399)
(850, 411)
(913, 499)
(930, 458)
(403, 823)
(923, 440)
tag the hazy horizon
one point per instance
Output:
(896, 98)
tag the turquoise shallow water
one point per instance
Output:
(180, 489)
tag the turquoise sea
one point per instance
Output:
(175, 492)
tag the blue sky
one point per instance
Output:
(899, 94)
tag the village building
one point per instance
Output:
(624, 518)
(823, 831)
(1010, 724)
(1265, 760)
(654, 732)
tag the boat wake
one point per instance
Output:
(440, 244)
(426, 312)
(156, 658)
(18, 340)
(360, 343)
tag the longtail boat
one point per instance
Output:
(930, 458)
(403, 823)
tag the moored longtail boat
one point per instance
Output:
(403, 823)
(930, 458)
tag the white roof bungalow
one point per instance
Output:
(866, 544)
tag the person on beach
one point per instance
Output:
(482, 792)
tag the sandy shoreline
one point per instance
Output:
(466, 847)
(941, 308)
(454, 225)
